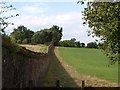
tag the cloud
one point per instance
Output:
(33, 9)
(71, 22)
(61, 0)
(43, 0)
(32, 22)
(61, 19)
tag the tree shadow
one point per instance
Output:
(57, 72)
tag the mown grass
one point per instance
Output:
(91, 62)
(36, 48)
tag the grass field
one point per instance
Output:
(36, 48)
(91, 62)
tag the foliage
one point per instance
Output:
(70, 43)
(92, 45)
(7, 43)
(82, 45)
(77, 44)
(67, 43)
(21, 35)
(104, 20)
(45, 36)
(100, 45)
(41, 37)
(56, 34)
(25, 41)
(3, 19)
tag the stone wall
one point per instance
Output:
(24, 68)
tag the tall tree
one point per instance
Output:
(22, 34)
(53, 34)
(56, 34)
(104, 20)
(42, 37)
(3, 19)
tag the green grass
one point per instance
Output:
(91, 62)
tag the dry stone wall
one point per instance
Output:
(24, 68)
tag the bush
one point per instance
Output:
(92, 45)
(7, 43)
(25, 41)
(67, 43)
(19, 41)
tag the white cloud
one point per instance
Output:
(33, 9)
(36, 21)
(71, 23)
(63, 19)
(61, 0)
(43, 0)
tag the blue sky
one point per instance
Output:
(39, 15)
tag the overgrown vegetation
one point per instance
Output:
(21, 35)
(70, 43)
(7, 43)
(74, 43)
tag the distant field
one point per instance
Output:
(36, 48)
(90, 62)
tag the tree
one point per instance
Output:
(69, 43)
(3, 19)
(104, 20)
(73, 39)
(77, 44)
(56, 34)
(21, 34)
(42, 37)
(100, 45)
(92, 45)
(82, 45)
(45, 36)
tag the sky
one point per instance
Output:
(44, 14)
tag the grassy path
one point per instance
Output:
(59, 70)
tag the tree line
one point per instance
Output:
(73, 43)
(23, 35)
